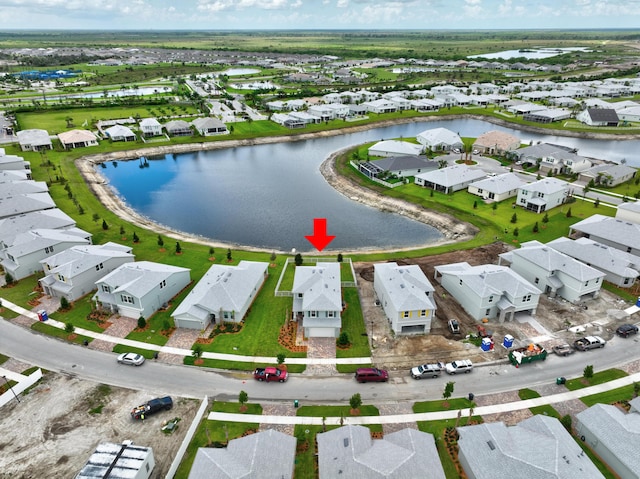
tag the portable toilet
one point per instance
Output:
(507, 342)
(638, 302)
(486, 344)
(42, 315)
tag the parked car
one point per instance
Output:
(589, 342)
(626, 330)
(152, 407)
(454, 326)
(365, 375)
(427, 371)
(563, 349)
(460, 366)
(270, 374)
(132, 359)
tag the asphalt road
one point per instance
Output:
(161, 378)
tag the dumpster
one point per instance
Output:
(507, 342)
(561, 380)
(42, 315)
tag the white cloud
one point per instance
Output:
(223, 5)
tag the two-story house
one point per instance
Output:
(150, 127)
(543, 195)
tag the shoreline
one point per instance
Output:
(452, 229)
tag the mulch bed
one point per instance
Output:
(287, 337)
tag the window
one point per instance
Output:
(536, 281)
(126, 299)
(460, 282)
(106, 289)
(526, 298)
(586, 283)
(331, 314)
(491, 299)
(487, 312)
(406, 314)
(626, 281)
(61, 278)
(163, 283)
(423, 313)
(99, 267)
(313, 314)
(300, 295)
(48, 249)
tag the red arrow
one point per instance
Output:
(320, 239)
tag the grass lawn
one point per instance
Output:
(121, 348)
(625, 393)
(441, 405)
(59, 333)
(353, 325)
(598, 378)
(19, 293)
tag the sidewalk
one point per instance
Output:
(180, 351)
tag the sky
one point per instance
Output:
(317, 14)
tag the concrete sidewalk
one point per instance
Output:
(177, 351)
(427, 416)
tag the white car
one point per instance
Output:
(459, 366)
(132, 359)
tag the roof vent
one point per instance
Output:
(346, 442)
(491, 445)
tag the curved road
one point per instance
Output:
(161, 378)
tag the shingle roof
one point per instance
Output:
(546, 186)
(612, 229)
(438, 136)
(320, 286)
(77, 259)
(34, 137)
(500, 184)
(453, 175)
(138, 278)
(406, 286)
(399, 163)
(396, 146)
(603, 114)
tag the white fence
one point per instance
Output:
(22, 384)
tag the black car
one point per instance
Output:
(626, 330)
(152, 407)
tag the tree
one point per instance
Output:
(178, 248)
(8, 278)
(196, 352)
(95, 217)
(494, 207)
(514, 218)
(135, 238)
(105, 226)
(280, 358)
(272, 258)
(566, 421)
(298, 259)
(243, 397)
(64, 303)
(545, 218)
(229, 257)
(343, 339)
(535, 227)
(516, 232)
(121, 230)
(160, 241)
(355, 402)
(339, 257)
(587, 373)
(448, 390)
(596, 203)
(475, 205)
(211, 251)
(142, 323)
(569, 213)
(69, 328)
(636, 389)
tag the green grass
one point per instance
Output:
(59, 333)
(353, 325)
(20, 292)
(121, 348)
(545, 410)
(528, 394)
(439, 405)
(625, 393)
(3, 358)
(338, 411)
(598, 378)
(238, 365)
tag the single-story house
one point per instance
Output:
(629, 212)
(223, 294)
(14, 162)
(598, 117)
(496, 143)
(210, 126)
(620, 234)
(139, 289)
(497, 188)
(150, 127)
(548, 115)
(439, 139)
(401, 166)
(608, 175)
(406, 296)
(449, 179)
(77, 139)
(34, 140)
(178, 128)
(535, 153)
(25, 202)
(394, 148)
(380, 106)
(543, 195)
(120, 133)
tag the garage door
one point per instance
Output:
(321, 333)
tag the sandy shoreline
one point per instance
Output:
(452, 229)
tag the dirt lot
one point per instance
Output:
(553, 317)
(51, 432)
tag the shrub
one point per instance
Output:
(356, 401)
(178, 248)
(142, 323)
(566, 421)
(64, 303)
(298, 259)
(196, 352)
(280, 358)
(135, 237)
(69, 328)
(8, 278)
(105, 226)
(343, 339)
(160, 241)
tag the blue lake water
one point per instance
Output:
(268, 195)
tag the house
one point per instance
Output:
(394, 147)
(178, 128)
(53, 219)
(268, 454)
(150, 127)
(440, 139)
(625, 211)
(598, 117)
(223, 294)
(14, 163)
(620, 234)
(305, 117)
(73, 272)
(317, 299)
(118, 461)
(12, 189)
(401, 166)
(613, 435)
(120, 133)
(543, 195)
(534, 154)
(139, 289)
(14, 175)
(497, 188)
(488, 291)
(209, 126)
(350, 452)
(380, 106)
(537, 447)
(553, 272)
(77, 139)
(608, 175)
(496, 143)
(25, 203)
(21, 257)
(406, 296)
(563, 162)
(34, 140)
(547, 115)
(620, 268)
(449, 179)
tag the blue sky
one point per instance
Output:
(318, 14)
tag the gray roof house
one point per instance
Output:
(406, 296)
(120, 133)
(627, 212)
(150, 127)
(497, 188)
(178, 128)
(139, 289)
(350, 452)
(438, 139)
(53, 219)
(119, 461)
(489, 290)
(34, 140)
(394, 148)
(538, 447)
(22, 257)
(14, 175)
(13, 188)
(72, 273)
(223, 294)
(14, 162)
(401, 166)
(564, 162)
(613, 435)
(268, 454)
(620, 234)
(608, 175)
(620, 268)
(210, 126)
(553, 272)
(598, 117)
(449, 179)
(317, 299)
(25, 203)
(543, 195)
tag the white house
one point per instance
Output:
(52, 219)
(598, 117)
(488, 291)
(150, 127)
(223, 294)
(394, 147)
(21, 258)
(449, 179)
(120, 133)
(139, 289)
(620, 234)
(317, 299)
(553, 272)
(629, 212)
(608, 175)
(406, 296)
(72, 273)
(497, 188)
(210, 126)
(178, 128)
(438, 139)
(34, 140)
(380, 106)
(543, 195)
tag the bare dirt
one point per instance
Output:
(52, 433)
(553, 318)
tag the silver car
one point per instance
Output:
(132, 359)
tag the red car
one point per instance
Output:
(270, 374)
